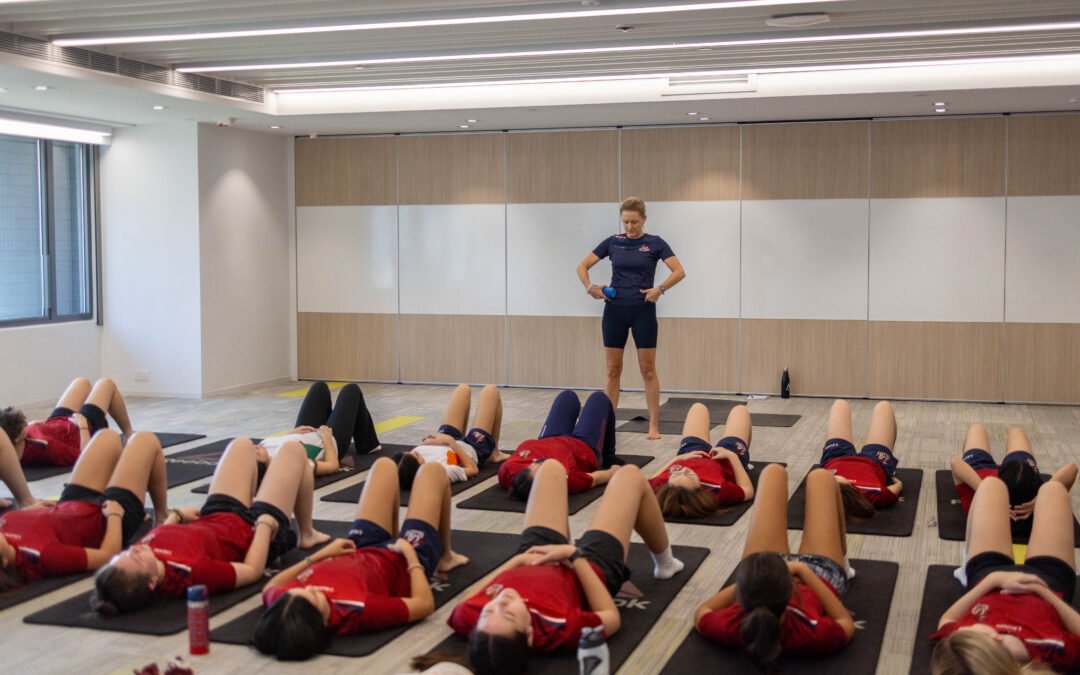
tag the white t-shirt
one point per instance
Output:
(312, 442)
(441, 454)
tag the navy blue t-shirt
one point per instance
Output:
(633, 264)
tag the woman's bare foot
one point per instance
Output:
(654, 433)
(451, 560)
(312, 539)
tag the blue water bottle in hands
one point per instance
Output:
(608, 292)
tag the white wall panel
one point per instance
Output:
(453, 259)
(937, 259)
(346, 259)
(804, 259)
(545, 242)
(1042, 277)
(705, 238)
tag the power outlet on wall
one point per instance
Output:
(142, 375)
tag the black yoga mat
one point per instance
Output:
(675, 428)
(486, 551)
(167, 439)
(641, 602)
(939, 593)
(728, 515)
(320, 481)
(351, 494)
(497, 499)
(952, 521)
(895, 521)
(868, 599)
(195, 463)
(641, 426)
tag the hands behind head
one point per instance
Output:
(1022, 511)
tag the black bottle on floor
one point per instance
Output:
(785, 385)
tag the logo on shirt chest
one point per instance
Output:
(980, 610)
(644, 248)
(524, 454)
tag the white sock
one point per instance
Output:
(665, 565)
(848, 569)
(961, 572)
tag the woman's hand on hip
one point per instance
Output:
(597, 292)
(651, 294)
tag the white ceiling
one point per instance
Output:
(887, 92)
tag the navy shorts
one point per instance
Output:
(423, 537)
(95, 416)
(826, 569)
(732, 443)
(621, 320)
(480, 441)
(134, 515)
(1056, 573)
(1021, 456)
(979, 459)
(600, 548)
(284, 541)
(835, 448)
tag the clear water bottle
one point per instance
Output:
(785, 385)
(592, 653)
(198, 619)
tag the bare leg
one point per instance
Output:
(988, 522)
(697, 423)
(1052, 531)
(547, 505)
(768, 520)
(236, 472)
(629, 505)
(614, 359)
(106, 396)
(1017, 441)
(488, 411)
(141, 469)
(430, 502)
(977, 439)
(75, 395)
(823, 532)
(497, 427)
(11, 473)
(738, 424)
(97, 462)
(882, 426)
(840, 422)
(304, 508)
(647, 363)
(457, 411)
(380, 499)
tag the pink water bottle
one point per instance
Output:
(198, 620)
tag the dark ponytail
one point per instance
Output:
(291, 629)
(407, 466)
(497, 654)
(763, 587)
(857, 507)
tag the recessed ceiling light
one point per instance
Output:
(160, 107)
(940, 110)
(691, 114)
(42, 87)
(471, 121)
(275, 126)
(358, 68)
(703, 119)
(463, 126)
(939, 103)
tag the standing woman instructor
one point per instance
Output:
(633, 309)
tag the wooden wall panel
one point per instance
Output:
(824, 358)
(805, 161)
(1043, 157)
(691, 355)
(935, 360)
(938, 158)
(681, 164)
(346, 171)
(347, 346)
(453, 348)
(458, 169)
(563, 167)
(1042, 362)
(556, 351)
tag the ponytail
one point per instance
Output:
(857, 507)
(763, 587)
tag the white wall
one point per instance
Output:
(42, 360)
(150, 259)
(243, 257)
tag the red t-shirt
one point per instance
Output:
(554, 598)
(578, 458)
(867, 477)
(966, 494)
(52, 541)
(804, 629)
(1028, 617)
(365, 589)
(200, 552)
(54, 442)
(716, 475)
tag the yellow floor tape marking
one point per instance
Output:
(395, 423)
(300, 393)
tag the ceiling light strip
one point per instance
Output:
(423, 23)
(938, 32)
(648, 76)
(14, 127)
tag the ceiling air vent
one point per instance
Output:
(696, 85)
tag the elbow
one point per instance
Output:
(749, 493)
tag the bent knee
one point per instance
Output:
(144, 437)
(774, 470)
(1053, 488)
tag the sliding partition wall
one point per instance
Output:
(928, 258)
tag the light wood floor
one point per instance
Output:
(929, 433)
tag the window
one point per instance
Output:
(45, 227)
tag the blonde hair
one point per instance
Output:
(633, 204)
(966, 652)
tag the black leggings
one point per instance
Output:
(348, 418)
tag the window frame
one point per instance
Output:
(47, 230)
